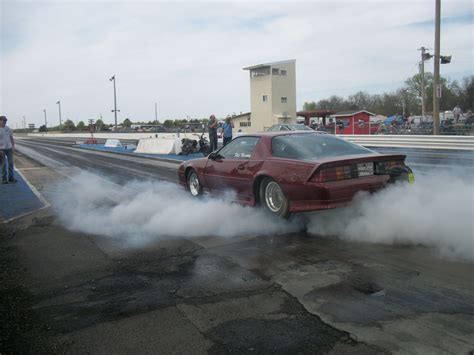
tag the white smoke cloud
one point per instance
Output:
(142, 212)
(437, 211)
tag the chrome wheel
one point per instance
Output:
(274, 197)
(194, 184)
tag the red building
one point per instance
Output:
(353, 122)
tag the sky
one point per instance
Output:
(187, 56)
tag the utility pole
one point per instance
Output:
(436, 84)
(60, 120)
(45, 119)
(24, 122)
(115, 102)
(156, 118)
(422, 73)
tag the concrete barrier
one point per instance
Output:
(159, 146)
(113, 143)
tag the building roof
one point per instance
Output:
(269, 64)
(241, 115)
(351, 113)
(314, 113)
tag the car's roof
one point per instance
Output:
(279, 133)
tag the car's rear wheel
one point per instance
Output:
(194, 184)
(273, 198)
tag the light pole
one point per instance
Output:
(115, 101)
(60, 120)
(424, 56)
(24, 122)
(45, 120)
(436, 85)
(156, 118)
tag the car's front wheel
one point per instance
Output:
(194, 184)
(273, 198)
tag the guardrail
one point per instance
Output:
(413, 141)
(378, 140)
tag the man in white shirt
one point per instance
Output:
(457, 113)
(7, 146)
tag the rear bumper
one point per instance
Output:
(336, 194)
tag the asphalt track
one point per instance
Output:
(274, 294)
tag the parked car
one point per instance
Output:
(289, 127)
(292, 171)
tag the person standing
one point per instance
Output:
(457, 113)
(227, 130)
(7, 146)
(212, 127)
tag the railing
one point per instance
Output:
(412, 141)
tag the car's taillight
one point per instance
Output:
(382, 167)
(336, 173)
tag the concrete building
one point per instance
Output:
(272, 96)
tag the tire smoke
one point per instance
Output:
(142, 212)
(437, 211)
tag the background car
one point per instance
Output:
(289, 127)
(292, 171)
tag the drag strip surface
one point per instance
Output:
(292, 293)
(119, 168)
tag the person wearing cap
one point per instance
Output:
(227, 130)
(212, 127)
(7, 146)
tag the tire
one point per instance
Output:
(273, 199)
(194, 185)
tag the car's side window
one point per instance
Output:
(239, 148)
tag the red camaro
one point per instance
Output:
(292, 171)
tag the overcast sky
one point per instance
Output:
(188, 56)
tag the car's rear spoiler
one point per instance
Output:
(353, 159)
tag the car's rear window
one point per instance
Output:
(313, 146)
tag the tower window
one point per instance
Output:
(284, 100)
(282, 72)
(265, 98)
(275, 71)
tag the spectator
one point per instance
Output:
(457, 113)
(7, 146)
(227, 130)
(212, 126)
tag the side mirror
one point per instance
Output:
(213, 156)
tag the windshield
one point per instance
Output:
(299, 127)
(289, 127)
(313, 146)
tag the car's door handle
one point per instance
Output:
(241, 166)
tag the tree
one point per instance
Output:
(127, 123)
(69, 126)
(99, 125)
(168, 123)
(466, 93)
(81, 126)
(43, 128)
(360, 101)
(309, 106)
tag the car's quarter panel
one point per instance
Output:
(290, 174)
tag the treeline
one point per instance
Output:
(99, 125)
(406, 99)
